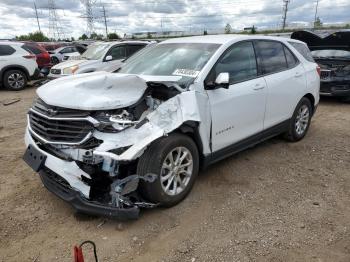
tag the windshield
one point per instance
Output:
(95, 52)
(180, 59)
(331, 53)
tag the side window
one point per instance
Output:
(117, 52)
(64, 51)
(303, 50)
(272, 56)
(239, 62)
(32, 49)
(132, 49)
(6, 50)
(291, 59)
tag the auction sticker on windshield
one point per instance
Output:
(186, 72)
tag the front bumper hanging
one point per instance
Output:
(55, 184)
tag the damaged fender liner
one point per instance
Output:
(80, 204)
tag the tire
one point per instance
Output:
(55, 60)
(300, 122)
(15, 80)
(156, 160)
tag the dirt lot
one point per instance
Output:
(275, 202)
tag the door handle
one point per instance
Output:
(259, 87)
(297, 74)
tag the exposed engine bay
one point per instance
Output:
(96, 151)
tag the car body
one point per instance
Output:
(100, 56)
(62, 53)
(332, 52)
(17, 65)
(110, 143)
(76, 55)
(42, 56)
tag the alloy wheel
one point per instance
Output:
(16, 80)
(176, 171)
(302, 120)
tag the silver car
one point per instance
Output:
(100, 56)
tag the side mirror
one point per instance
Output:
(223, 80)
(108, 58)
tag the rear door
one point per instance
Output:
(285, 78)
(237, 112)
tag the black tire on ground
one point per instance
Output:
(15, 80)
(54, 60)
(151, 162)
(293, 135)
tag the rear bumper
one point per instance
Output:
(55, 185)
(336, 89)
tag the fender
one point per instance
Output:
(180, 113)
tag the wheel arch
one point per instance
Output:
(312, 100)
(191, 129)
(14, 67)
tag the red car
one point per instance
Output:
(42, 56)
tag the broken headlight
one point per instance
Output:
(115, 122)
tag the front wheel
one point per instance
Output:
(300, 122)
(175, 161)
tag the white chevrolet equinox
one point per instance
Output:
(111, 143)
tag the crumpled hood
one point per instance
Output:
(93, 91)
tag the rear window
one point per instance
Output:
(303, 50)
(32, 49)
(291, 59)
(272, 55)
(6, 50)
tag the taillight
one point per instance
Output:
(31, 56)
(318, 69)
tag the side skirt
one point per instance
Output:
(245, 143)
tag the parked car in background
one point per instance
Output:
(42, 56)
(17, 65)
(75, 56)
(111, 143)
(332, 53)
(100, 56)
(58, 54)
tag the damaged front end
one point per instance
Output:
(86, 152)
(335, 76)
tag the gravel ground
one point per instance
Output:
(275, 202)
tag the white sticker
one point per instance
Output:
(186, 72)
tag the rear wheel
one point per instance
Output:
(175, 161)
(15, 80)
(300, 122)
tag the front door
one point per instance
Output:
(237, 112)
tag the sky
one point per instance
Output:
(129, 16)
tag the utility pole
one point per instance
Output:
(316, 13)
(104, 15)
(37, 18)
(90, 19)
(285, 11)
